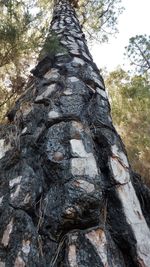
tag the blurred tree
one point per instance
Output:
(130, 101)
(138, 51)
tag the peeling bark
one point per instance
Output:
(68, 196)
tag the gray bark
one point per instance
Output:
(68, 196)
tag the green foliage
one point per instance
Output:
(23, 29)
(138, 52)
(99, 18)
(51, 45)
(130, 101)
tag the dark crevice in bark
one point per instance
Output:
(143, 194)
(119, 228)
(117, 225)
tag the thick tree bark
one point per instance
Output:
(68, 196)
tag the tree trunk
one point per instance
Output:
(68, 196)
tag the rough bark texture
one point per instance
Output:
(68, 196)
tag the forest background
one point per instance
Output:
(24, 38)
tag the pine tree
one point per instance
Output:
(68, 196)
